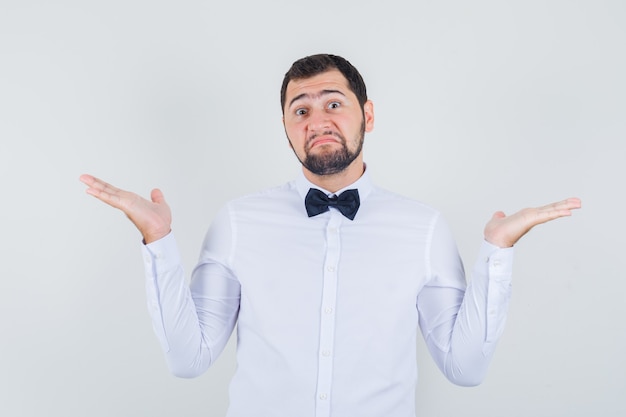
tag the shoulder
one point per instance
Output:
(271, 194)
(279, 199)
(393, 203)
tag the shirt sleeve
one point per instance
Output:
(192, 322)
(462, 323)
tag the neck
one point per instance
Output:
(335, 182)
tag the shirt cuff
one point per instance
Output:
(161, 255)
(499, 261)
(161, 261)
(498, 264)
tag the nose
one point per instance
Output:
(318, 120)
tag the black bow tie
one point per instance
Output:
(317, 202)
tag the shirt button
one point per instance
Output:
(496, 264)
(323, 396)
(328, 310)
(330, 268)
(333, 230)
(326, 353)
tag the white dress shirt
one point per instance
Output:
(327, 309)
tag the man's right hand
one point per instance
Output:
(152, 218)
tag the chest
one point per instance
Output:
(367, 261)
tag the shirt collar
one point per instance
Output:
(363, 184)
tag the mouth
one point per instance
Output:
(324, 139)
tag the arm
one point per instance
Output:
(192, 324)
(461, 325)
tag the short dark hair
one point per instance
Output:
(316, 64)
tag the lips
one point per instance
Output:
(323, 139)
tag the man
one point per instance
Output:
(328, 276)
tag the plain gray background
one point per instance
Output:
(480, 106)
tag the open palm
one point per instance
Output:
(152, 217)
(504, 231)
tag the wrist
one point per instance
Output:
(153, 237)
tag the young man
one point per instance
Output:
(328, 276)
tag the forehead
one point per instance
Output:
(313, 86)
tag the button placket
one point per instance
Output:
(327, 316)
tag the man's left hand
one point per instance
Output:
(504, 231)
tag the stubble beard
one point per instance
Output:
(333, 162)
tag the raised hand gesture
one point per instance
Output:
(504, 231)
(152, 218)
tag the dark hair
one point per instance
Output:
(316, 64)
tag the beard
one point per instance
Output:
(333, 162)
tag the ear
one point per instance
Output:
(368, 112)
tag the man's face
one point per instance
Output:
(324, 122)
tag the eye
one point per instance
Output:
(334, 105)
(300, 112)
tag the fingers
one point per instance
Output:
(86, 179)
(96, 184)
(505, 231)
(157, 196)
(152, 218)
(103, 190)
(558, 209)
(568, 204)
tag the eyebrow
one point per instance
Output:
(307, 95)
